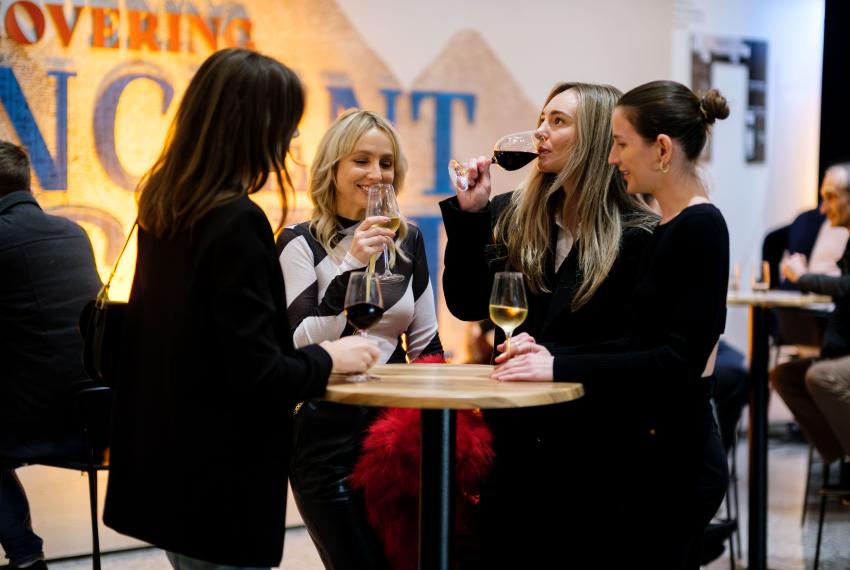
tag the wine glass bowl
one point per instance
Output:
(382, 202)
(760, 279)
(511, 152)
(508, 304)
(363, 308)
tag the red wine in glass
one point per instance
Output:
(363, 307)
(363, 316)
(511, 152)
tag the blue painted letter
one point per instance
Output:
(104, 121)
(52, 172)
(442, 132)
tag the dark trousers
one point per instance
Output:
(326, 447)
(19, 541)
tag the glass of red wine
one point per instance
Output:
(364, 307)
(511, 152)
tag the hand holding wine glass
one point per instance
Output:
(364, 306)
(351, 354)
(477, 195)
(369, 239)
(508, 305)
(511, 152)
(382, 202)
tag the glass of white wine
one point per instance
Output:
(382, 202)
(760, 279)
(508, 306)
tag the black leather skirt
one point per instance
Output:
(327, 438)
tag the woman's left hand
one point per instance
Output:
(531, 367)
(523, 343)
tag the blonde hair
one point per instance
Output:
(603, 207)
(337, 143)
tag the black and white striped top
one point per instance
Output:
(315, 293)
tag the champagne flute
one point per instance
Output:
(508, 307)
(511, 152)
(364, 307)
(382, 202)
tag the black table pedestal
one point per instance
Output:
(436, 500)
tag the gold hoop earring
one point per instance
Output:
(664, 168)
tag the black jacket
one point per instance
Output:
(208, 378)
(836, 340)
(472, 258)
(47, 273)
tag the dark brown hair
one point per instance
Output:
(670, 108)
(232, 130)
(14, 168)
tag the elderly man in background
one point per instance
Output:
(817, 391)
(47, 273)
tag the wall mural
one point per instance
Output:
(90, 87)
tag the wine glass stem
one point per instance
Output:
(386, 262)
(508, 340)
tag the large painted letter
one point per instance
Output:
(390, 97)
(442, 132)
(104, 118)
(342, 98)
(52, 173)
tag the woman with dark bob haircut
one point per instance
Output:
(662, 473)
(200, 448)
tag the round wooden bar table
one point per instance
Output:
(759, 302)
(439, 390)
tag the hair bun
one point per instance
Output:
(713, 106)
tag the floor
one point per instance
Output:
(790, 546)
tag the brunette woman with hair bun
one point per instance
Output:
(662, 473)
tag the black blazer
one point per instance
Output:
(47, 274)
(471, 259)
(208, 376)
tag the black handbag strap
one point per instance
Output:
(103, 294)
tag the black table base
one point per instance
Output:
(436, 499)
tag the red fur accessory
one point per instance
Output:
(387, 472)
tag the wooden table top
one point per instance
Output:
(447, 386)
(779, 298)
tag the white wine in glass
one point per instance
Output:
(382, 202)
(508, 306)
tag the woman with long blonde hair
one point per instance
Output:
(359, 150)
(656, 381)
(575, 234)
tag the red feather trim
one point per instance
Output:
(388, 474)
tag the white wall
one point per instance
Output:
(755, 198)
(540, 41)
(628, 43)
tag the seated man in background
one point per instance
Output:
(811, 235)
(48, 274)
(818, 393)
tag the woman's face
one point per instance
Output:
(556, 131)
(371, 162)
(635, 158)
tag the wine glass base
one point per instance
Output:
(351, 378)
(391, 278)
